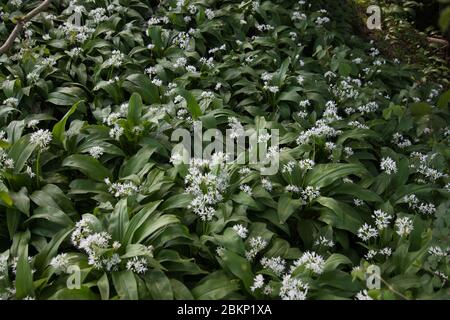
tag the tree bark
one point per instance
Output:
(20, 23)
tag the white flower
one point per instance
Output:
(246, 188)
(382, 219)
(256, 244)
(388, 165)
(96, 152)
(323, 241)
(115, 60)
(30, 172)
(437, 251)
(116, 132)
(386, 251)
(310, 193)
(11, 102)
(306, 164)
(210, 14)
(264, 137)
(288, 167)
(293, 289)
(60, 262)
(137, 265)
(311, 261)
(258, 282)
(292, 188)
(120, 190)
(207, 181)
(426, 208)
(404, 226)
(237, 130)
(366, 232)
(41, 138)
(276, 264)
(32, 123)
(240, 230)
(267, 184)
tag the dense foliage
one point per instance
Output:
(93, 90)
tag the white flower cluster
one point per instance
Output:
(366, 232)
(115, 60)
(400, 141)
(293, 289)
(310, 261)
(240, 230)
(321, 129)
(388, 165)
(11, 102)
(382, 219)
(60, 263)
(276, 264)
(256, 245)
(404, 226)
(414, 203)
(324, 242)
(96, 152)
(207, 180)
(438, 251)
(137, 265)
(5, 161)
(237, 130)
(120, 190)
(93, 243)
(3, 266)
(41, 138)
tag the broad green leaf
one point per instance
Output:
(89, 166)
(287, 206)
(159, 285)
(134, 110)
(323, 175)
(125, 285)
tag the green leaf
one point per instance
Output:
(334, 261)
(444, 99)
(125, 285)
(6, 198)
(180, 291)
(137, 221)
(103, 286)
(323, 175)
(192, 104)
(344, 217)
(177, 201)
(152, 225)
(287, 206)
(159, 285)
(24, 276)
(444, 19)
(20, 152)
(134, 110)
(141, 84)
(60, 127)
(215, 286)
(420, 109)
(134, 164)
(238, 266)
(21, 200)
(89, 166)
(119, 220)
